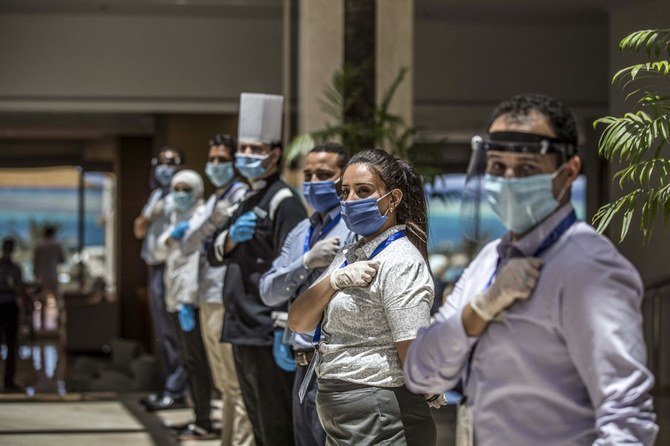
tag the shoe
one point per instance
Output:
(149, 399)
(193, 432)
(166, 402)
(176, 427)
(13, 388)
(216, 426)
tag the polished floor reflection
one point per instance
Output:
(41, 367)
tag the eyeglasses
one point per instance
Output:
(165, 162)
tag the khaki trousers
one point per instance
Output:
(237, 430)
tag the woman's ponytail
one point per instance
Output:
(414, 213)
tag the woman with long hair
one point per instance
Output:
(368, 306)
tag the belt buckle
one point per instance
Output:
(301, 359)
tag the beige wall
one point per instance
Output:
(95, 62)
(465, 65)
(395, 50)
(320, 54)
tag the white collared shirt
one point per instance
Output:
(361, 325)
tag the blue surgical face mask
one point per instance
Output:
(521, 203)
(219, 174)
(251, 166)
(321, 195)
(183, 200)
(362, 217)
(163, 174)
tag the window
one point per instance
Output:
(80, 205)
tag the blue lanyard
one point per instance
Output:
(547, 243)
(382, 246)
(325, 230)
(228, 191)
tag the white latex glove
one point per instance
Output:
(157, 210)
(222, 212)
(358, 274)
(516, 280)
(436, 401)
(322, 253)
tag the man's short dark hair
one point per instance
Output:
(560, 117)
(175, 149)
(49, 231)
(333, 147)
(227, 141)
(8, 244)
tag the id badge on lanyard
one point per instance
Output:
(308, 375)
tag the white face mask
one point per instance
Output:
(522, 203)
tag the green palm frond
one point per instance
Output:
(639, 139)
(382, 128)
(651, 40)
(390, 93)
(661, 67)
(630, 138)
(298, 147)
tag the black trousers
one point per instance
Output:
(194, 358)
(266, 390)
(9, 330)
(166, 336)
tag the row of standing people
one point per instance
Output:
(354, 280)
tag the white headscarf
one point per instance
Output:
(192, 178)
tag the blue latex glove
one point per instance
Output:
(187, 318)
(282, 353)
(180, 230)
(244, 228)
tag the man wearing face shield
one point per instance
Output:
(247, 244)
(544, 327)
(148, 226)
(307, 251)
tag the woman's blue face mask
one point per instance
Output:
(321, 195)
(363, 217)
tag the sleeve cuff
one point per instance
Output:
(220, 246)
(299, 269)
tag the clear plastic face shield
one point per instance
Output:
(510, 183)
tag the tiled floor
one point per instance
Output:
(87, 419)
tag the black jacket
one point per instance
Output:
(247, 319)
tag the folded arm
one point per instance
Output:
(287, 274)
(602, 325)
